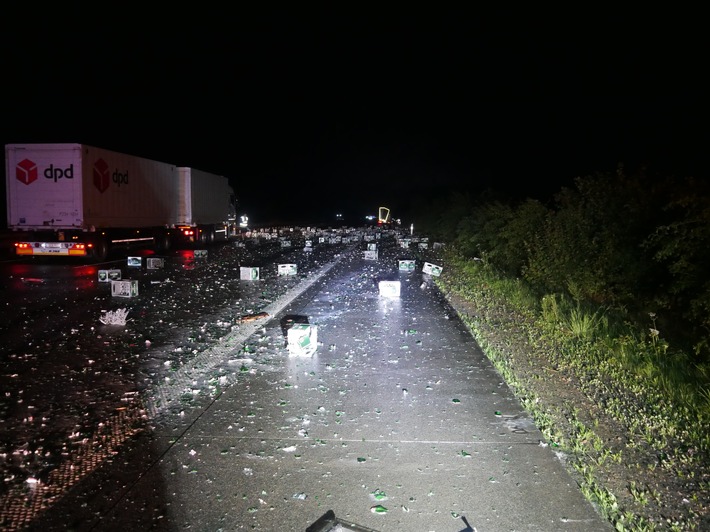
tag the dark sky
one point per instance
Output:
(312, 113)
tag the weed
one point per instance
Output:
(640, 495)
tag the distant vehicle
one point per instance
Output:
(206, 207)
(82, 201)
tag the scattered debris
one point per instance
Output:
(114, 317)
(253, 317)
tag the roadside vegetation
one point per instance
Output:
(595, 307)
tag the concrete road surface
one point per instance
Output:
(397, 422)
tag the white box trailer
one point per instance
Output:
(79, 200)
(206, 206)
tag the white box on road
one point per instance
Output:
(106, 276)
(432, 269)
(124, 288)
(406, 265)
(302, 339)
(249, 273)
(390, 288)
(287, 269)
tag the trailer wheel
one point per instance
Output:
(101, 249)
(163, 242)
(203, 235)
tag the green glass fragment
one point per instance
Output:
(379, 495)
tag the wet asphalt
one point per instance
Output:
(397, 422)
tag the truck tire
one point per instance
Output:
(163, 242)
(203, 235)
(100, 251)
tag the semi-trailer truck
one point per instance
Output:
(206, 207)
(83, 201)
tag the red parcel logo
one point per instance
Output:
(102, 175)
(26, 171)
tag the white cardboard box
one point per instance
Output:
(135, 262)
(390, 288)
(124, 288)
(287, 269)
(407, 265)
(302, 339)
(370, 255)
(106, 276)
(432, 269)
(154, 263)
(248, 273)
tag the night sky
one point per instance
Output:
(313, 113)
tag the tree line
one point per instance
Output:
(635, 245)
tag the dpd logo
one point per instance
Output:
(102, 176)
(119, 178)
(26, 171)
(59, 173)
